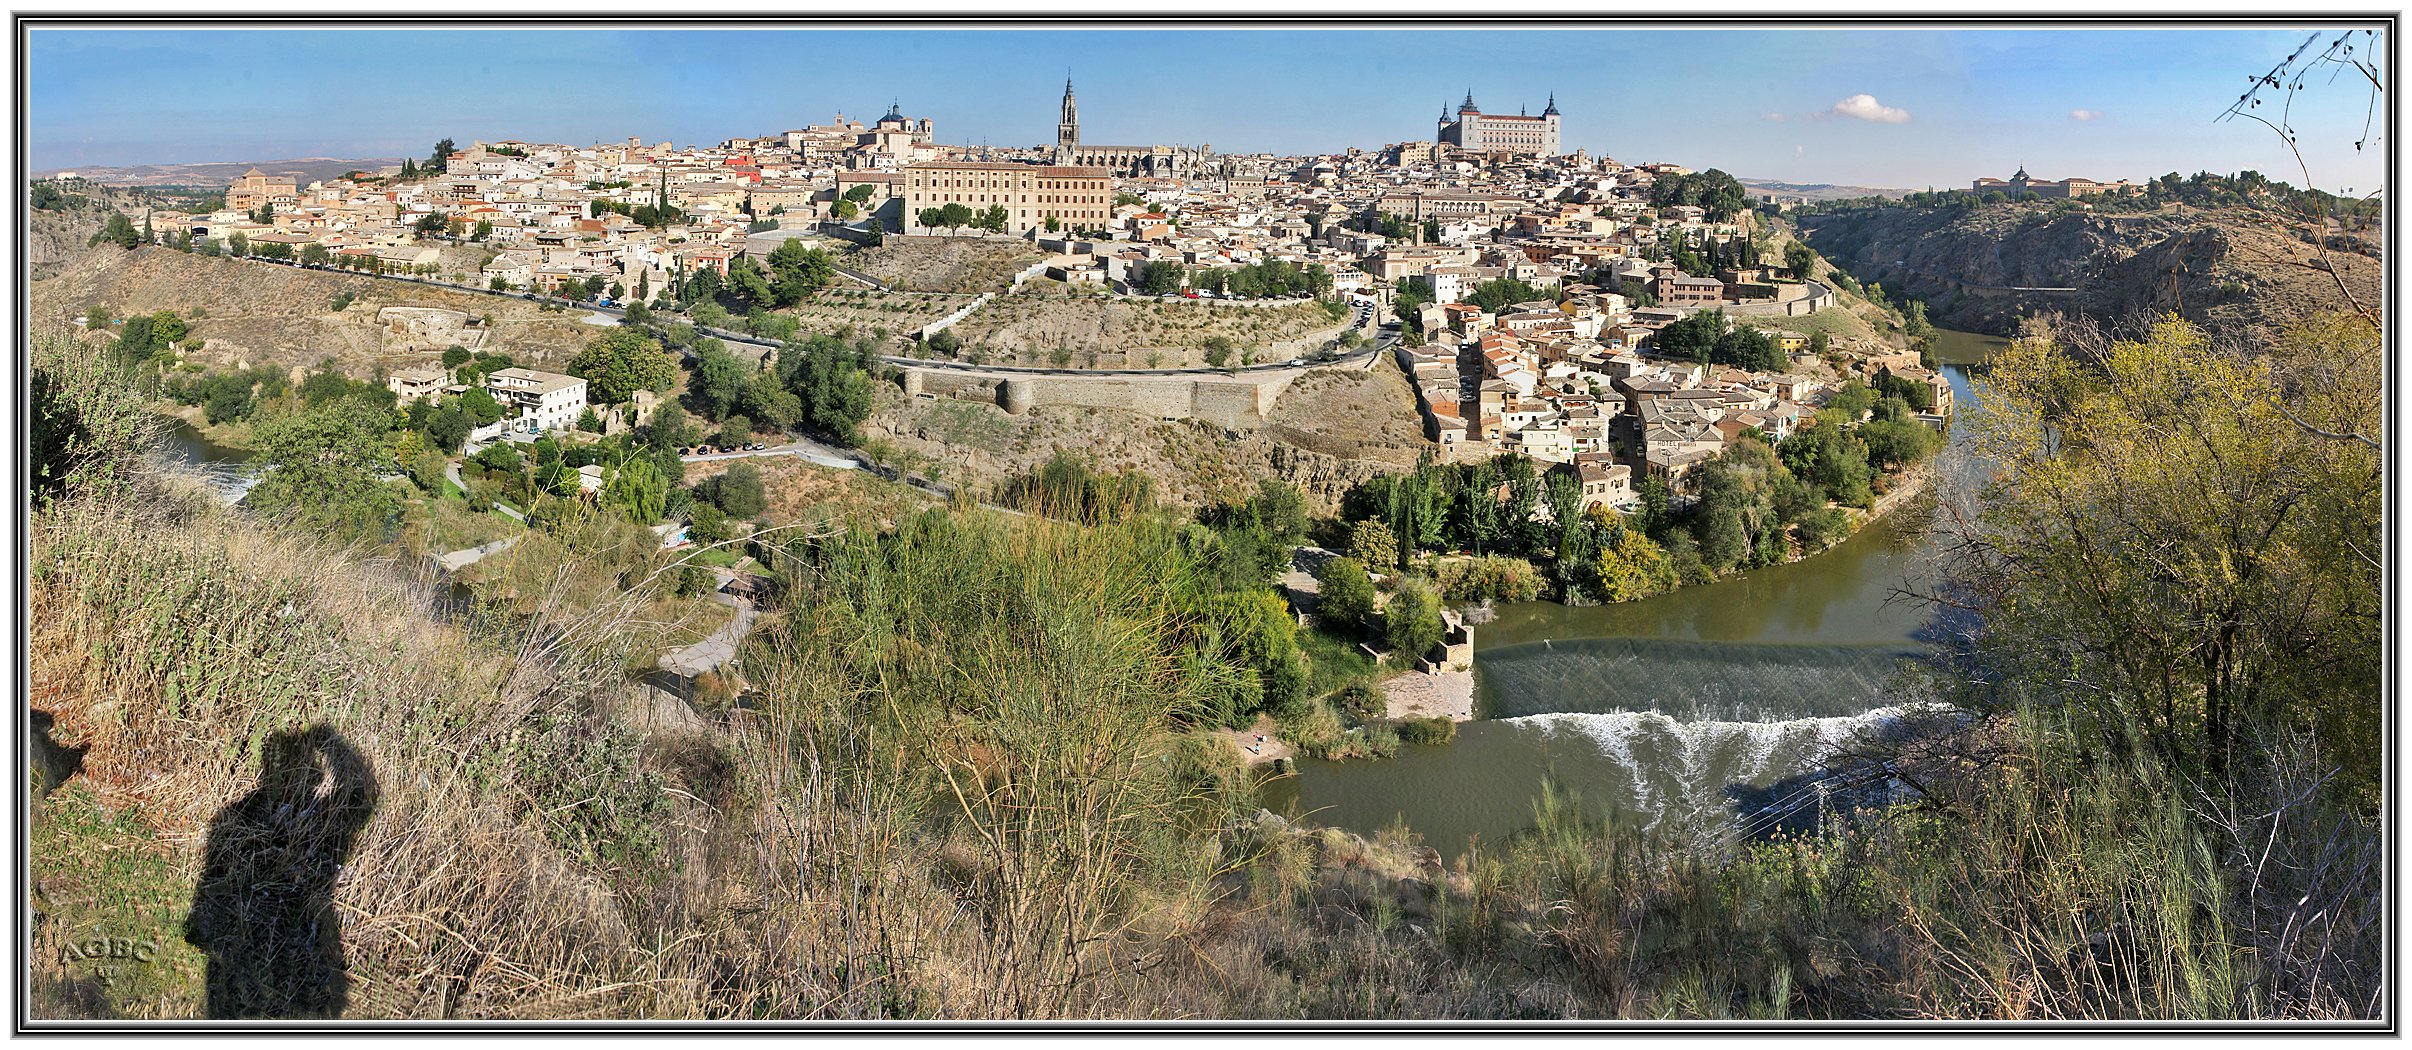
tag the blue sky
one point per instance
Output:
(1947, 106)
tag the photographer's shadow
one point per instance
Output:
(264, 910)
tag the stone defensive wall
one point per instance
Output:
(1227, 401)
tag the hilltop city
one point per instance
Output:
(887, 570)
(1535, 288)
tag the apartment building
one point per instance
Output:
(552, 400)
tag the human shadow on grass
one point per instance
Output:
(263, 912)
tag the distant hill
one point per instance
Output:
(2227, 266)
(1822, 191)
(304, 170)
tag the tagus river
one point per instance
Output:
(1656, 710)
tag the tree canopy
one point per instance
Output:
(622, 361)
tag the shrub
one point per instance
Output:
(1360, 703)
(1433, 730)
(1492, 577)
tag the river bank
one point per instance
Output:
(230, 437)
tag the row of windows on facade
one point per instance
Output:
(984, 198)
(995, 184)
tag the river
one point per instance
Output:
(220, 467)
(1658, 710)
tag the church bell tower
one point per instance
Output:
(1067, 130)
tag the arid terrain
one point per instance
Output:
(1330, 430)
(2226, 267)
(1094, 331)
(263, 313)
(922, 264)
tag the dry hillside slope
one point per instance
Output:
(2226, 267)
(265, 313)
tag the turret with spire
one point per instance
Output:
(1067, 130)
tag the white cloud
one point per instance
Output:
(2084, 114)
(1865, 107)
(1776, 118)
(1797, 151)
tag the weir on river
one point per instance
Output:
(1666, 711)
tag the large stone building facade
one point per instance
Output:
(1135, 161)
(1478, 131)
(2019, 185)
(1073, 195)
(256, 188)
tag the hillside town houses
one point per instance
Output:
(1569, 378)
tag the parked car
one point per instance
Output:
(756, 446)
(686, 450)
(703, 450)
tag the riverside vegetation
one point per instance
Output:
(976, 781)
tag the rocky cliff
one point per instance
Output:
(1983, 268)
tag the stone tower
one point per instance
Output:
(1067, 130)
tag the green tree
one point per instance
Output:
(1853, 401)
(1634, 567)
(798, 272)
(767, 400)
(134, 342)
(120, 231)
(448, 426)
(637, 489)
(427, 472)
(1693, 338)
(1798, 258)
(1373, 545)
(481, 406)
(1496, 295)
(739, 491)
(832, 382)
(1411, 622)
(750, 286)
(1747, 348)
(719, 380)
(320, 470)
(671, 427)
(2192, 533)
(1157, 277)
(1346, 593)
(622, 361)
